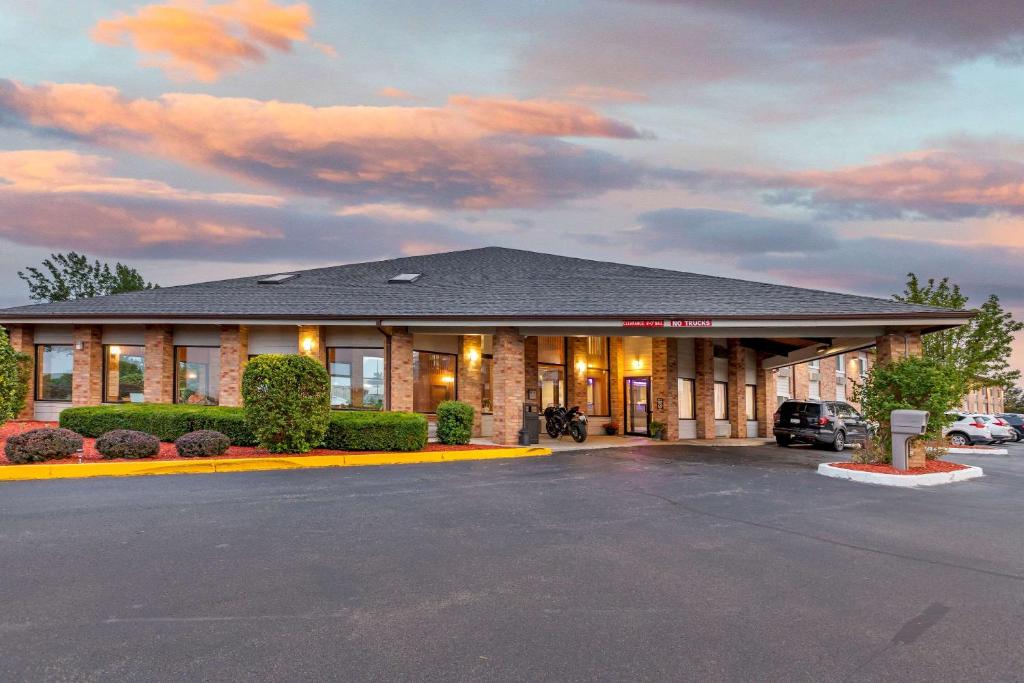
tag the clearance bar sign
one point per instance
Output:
(667, 323)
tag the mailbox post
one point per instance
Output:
(906, 426)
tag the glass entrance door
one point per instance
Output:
(638, 401)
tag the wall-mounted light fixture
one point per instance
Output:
(115, 350)
(307, 344)
(581, 366)
(473, 355)
(79, 345)
(638, 363)
(448, 379)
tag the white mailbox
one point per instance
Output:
(906, 425)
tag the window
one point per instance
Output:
(862, 364)
(750, 401)
(124, 373)
(197, 375)
(841, 388)
(486, 385)
(54, 363)
(687, 399)
(814, 389)
(597, 376)
(433, 380)
(551, 370)
(721, 400)
(815, 364)
(357, 378)
(841, 364)
(784, 384)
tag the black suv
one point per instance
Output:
(820, 423)
(1017, 422)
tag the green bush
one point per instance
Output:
(127, 443)
(39, 445)
(373, 431)
(909, 384)
(166, 422)
(287, 402)
(13, 377)
(454, 422)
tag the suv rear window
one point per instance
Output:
(794, 408)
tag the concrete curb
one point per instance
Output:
(282, 462)
(900, 480)
(978, 451)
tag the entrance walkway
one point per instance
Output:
(599, 441)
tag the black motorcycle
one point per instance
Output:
(559, 421)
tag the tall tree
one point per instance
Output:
(979, 351)
(71, 276)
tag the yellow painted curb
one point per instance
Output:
(270, 462)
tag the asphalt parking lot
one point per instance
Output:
(629, 564)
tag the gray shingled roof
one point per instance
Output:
(480, 283)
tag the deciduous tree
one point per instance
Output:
(64, 277)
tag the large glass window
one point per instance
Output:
(721, 400)
(551, 370)
(433, 377)
(357, 378)
(687, 396)
(597, 376)
(54, 363)
(197, 373)
(751, 401)
(486, 385)
(124, 373)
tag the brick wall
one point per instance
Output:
(577, 380)
(509, 381)
(23, 341)
(470, 385)
(801, 380)
(399, 370)
(704, 360)
(158, 385)
(766, 398)
(665, 384)
(531, 373)
(234, 354)
(827, 385)
(892, 347)
(616, 377)
(737, 390)
(87, 374)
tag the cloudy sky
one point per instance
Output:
(833, 145)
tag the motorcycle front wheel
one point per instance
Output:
(578, 431)
(553, 429)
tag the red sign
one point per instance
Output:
(667, 323)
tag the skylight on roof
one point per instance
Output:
(277, 279)
(406, 277)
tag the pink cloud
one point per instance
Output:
(472, 153)
(393, 93)
(203, 41)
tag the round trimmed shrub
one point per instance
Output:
(287, 402)
(202, 443)
(39, 445)
(127, 443)
(454, 422)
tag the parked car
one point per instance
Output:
(967, 429)
(832, 424)
(1000, 428)
(1016, 421)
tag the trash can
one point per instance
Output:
(530, 433)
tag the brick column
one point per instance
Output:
(665, 384)
(616, 377)
(765, 398)
(399, 370)
(801, 380)
(577, 380)
(313, 335)
(234, 354)
(470, 386)
(827, 381)
(531, 373)
(22, 340)
(704, 358)
(87, 373)
(509, 385)
(893, 347)
(158, 385)
(737, 390)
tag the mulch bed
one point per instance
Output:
(933, 466)
(168, 452)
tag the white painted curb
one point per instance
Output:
(901, 480)
(978, 451)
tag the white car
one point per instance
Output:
(967, 430)
(1000, 428)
